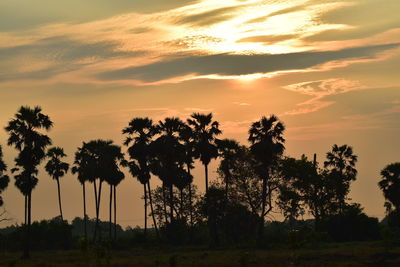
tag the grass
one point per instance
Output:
(353, 254)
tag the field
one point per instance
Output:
(354, 254)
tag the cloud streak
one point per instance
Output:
(228, 64)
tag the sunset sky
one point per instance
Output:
(328, 69)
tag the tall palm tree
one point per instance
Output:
(341, 163)
(205, 131)
(187, 138)
(4, 180)
(267, 145)
(228, 150)
(112, 160)
(168, 156)
(25, 136)
(390, 185)
(56, 168)
(85, 173)
(140, 133)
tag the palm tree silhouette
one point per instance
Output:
(25, 136)
(390, 185)
(85, 173)
(205, 131)
(341, 162)
(228, 151)
(111, 161)
(4, 179)
(187, 138)
(140, 133)
(169, 156)
(267, 145)
(57, 169)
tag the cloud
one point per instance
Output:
(209, 17)
(26, 14)
(50, 56)
(230, 64)
(319, 90)
(268, 38)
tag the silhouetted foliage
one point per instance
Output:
(4, 180)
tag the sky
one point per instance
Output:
(327, 68)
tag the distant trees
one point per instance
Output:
(254, 179)
(56, 168)
(25, 135)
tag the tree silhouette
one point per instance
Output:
(57, 169)
(267, 145)
(229, 150)
(85, 173)
(4, 179)
(140, 133)
(112, 160)
(390, 185)
(169, 156)
(205, 131)
(25, 136)
(340, 163)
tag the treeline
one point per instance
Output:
(254, 181)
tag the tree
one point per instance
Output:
(85, 173)
(4, 179)
(229, 150)
(390, 185)
(57, 169)
(267, 145)
(187, 137)
(340, 163)
(112, 161)
(140, 133)
(169, 156)
(25, 136)
(205, 131)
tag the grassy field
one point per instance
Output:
(357, 254)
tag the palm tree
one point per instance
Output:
(205, 131)
(169, 156)
(228, 151)
(25, 136)
(112, 160)
(341, 162)
(57, 169)
(390, 185)
(140, 133)
(4, 180)
(187, 138)
(267, 145)
(85, 173)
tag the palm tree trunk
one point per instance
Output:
(26, 209)
(190, 200)
(84, 210)
(206, 172)
(26, 254)
(95, 200)
(165, 204)
(59, 198)
(98, 210)
(152, 211)
(171, 202)
(263, 203)
(110, 209)
(115, 213)
(145, 210)
(181, 204)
